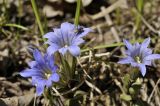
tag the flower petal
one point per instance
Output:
(49, 35)
(48, 83)
(52, 49)
(142, 69)
(32, 64)
(147, 62)
(85, 32)
(38, 57)
(39, 88)
(152, 57)
(54, 77)
(63, 50)
(49, 59)
(77, 41)
(128, 44)
(29, 73)
(53, 38)
(67, 27)
(145, 43)
(126, 60)
(134, 64)
(74, 50)
(146, 52)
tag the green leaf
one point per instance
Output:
(76, 21)
(17, 26)
(137, 82)
(132, 91)
(125, 97)
(126, 80)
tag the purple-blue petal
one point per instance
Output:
(48, 83)
(126, 60)
(145, 43)
(50, 63)
(54, 68)
(142, 68)
(77, 41)
(32, 64)
(67, 27)
(85, 32)
(147, 62)
(29, 72)
(49, 35)
(152, 57)
(146, 52)
(74, 50)
(39, 88)
(52, 49)
(128, 44)
(63, 50)
(134, 64)
(54, 77)
(38, 57)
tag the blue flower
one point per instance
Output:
(42, 71)
(66, 38)
(138, 55)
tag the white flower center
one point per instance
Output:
(138, 59)
(47, 75)
(66, 46)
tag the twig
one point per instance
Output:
(73, 89)
(85, 72)
(119, 85)
(119, 3)
(149, 99)
(113, 29)
(57, 93)
(34, 102)
(93, 86)
(96, 55)
(147, 24)
(100, 37)
(91, 98)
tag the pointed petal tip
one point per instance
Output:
(142, 68)
(127, 44)
(126, 60)
(152, 57)
(145, 43)
(48, 35)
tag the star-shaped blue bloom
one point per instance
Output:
(66, 38)
(138, 55)
(42, 70)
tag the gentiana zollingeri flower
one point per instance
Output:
(66, 38)
(139, 55)
(42, 70)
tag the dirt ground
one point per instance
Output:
(111, 20)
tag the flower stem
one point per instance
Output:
(109, 45)
(77, 14)
(37, 17)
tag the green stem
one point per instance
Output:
(16, 25)
(139, 4)
(78, 8)
(109, 45)
(37, 16)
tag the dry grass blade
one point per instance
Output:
(119, 3)
(151, 95)
(93, 87)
